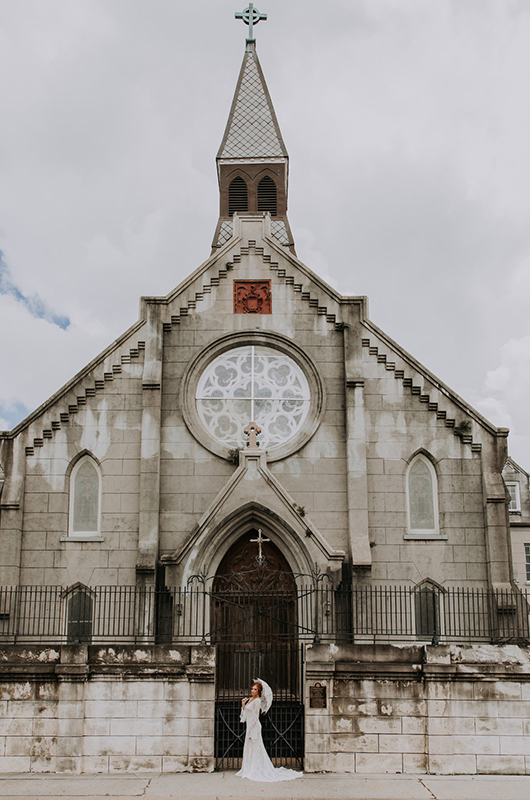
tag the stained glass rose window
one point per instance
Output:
(252, 383)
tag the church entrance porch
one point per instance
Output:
(254, 616)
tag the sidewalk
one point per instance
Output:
(223, 785)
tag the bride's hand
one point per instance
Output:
(244, 701)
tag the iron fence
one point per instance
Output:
(312, 613)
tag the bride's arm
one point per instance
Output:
(252, 718)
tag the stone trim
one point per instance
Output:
(90, 391)
(314, 302)
(408, 383)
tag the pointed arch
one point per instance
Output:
(211, 547)
(79, 614)
(237, 196)
(267, 196)
(422, 496)
(428, 599)
(85, 498)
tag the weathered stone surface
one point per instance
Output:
(107, 724)
(411, 720)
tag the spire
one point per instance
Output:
(252, 130)
(252, 162)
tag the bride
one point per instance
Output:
(257, 765)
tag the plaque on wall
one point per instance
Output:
(252, 297)
(318, 696)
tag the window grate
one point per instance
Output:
(237, 196)
(267, 196)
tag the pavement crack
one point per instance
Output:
(146, 787)
(429, 790)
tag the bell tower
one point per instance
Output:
(252, 162)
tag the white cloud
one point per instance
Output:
(407, 125)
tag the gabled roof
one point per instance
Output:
(252, 129)
(515, 466)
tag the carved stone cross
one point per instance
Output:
(250, 16)
(259, 541)
(252, 430)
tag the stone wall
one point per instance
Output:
(410, 709)
(106, 709)
(439, 710)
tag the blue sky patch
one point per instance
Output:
(33, 303)
(13, 414)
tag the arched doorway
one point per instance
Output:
(254, 624)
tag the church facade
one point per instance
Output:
(252, 442)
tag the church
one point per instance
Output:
(256, 480)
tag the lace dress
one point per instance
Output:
(257, 765)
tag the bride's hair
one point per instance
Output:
(260, 688)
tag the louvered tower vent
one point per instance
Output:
(267, 196)
(237, 196)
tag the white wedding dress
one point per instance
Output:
(257, 765)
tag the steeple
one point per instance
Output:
(252, 162)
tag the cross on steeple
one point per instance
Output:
(259, 541)
(250, 16)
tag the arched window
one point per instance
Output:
(79, 609)
(422, 497)
(85, 499)
(237, 196)
(427, 598)
(267, 196)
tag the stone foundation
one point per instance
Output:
(412, 709)
(106, 709)
(440, 710)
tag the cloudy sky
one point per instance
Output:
(407, 123)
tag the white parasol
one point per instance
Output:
(266, 695)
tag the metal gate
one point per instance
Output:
(254, 609)
(238, 665)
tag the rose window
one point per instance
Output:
(253, 384)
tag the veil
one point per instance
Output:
(266, 697)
